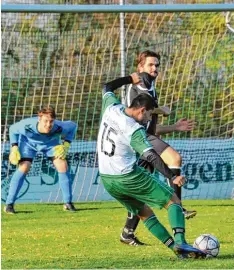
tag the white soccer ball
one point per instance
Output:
(208, 244)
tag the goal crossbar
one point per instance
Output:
(117, 8)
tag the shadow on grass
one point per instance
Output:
(96, 208)
(87, 208)
(24, 212)
(212, 205)
(17, 213)
(227, 256)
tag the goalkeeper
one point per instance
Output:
(42, 133)
(148, 63)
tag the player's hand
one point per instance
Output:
(179, 180)
(184, 125)
(135, 78)
(14, 156)
(61, 150)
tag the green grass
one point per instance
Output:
(43, 236)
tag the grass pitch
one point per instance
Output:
(43, 236)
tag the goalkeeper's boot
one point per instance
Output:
(9, 209)
(189, 213)
(69, 207)
(184, 251)
(131, 240)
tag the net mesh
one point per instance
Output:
(63, 60)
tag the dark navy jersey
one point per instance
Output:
(133, 91)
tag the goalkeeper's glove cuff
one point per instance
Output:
(67, 144)
(14, 144)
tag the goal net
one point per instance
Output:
(63, 60)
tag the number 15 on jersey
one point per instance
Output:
(107, 142)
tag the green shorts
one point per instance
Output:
(135, 189)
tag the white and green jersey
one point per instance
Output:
(120, 138)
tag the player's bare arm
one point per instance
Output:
(180, 125)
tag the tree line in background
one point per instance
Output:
(64, 60)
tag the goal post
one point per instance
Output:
(61, 55)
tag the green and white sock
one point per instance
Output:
(176, 220)
(159, 231)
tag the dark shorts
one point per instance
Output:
(159, 147)
(158, 144)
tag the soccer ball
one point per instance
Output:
(208, 244)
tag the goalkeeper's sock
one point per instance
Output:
(66, 186)
(16, 183)
(159, 231)
(130, 225)
(176, 220)
(176, 171)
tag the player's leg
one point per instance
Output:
(65, 183)
(16, 183)
(180, 247)
(137, 207)
(132, 221)
(139, 189)
(177, 222)
(27, 154)
(155, 227)
(128, 233)
(158, 194)
(173, 159)
(170, 156)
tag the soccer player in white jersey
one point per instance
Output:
(121, 138)
(42, 133)
(149, 62)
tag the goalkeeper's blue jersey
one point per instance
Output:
(26, 130)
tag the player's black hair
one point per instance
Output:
(143, 100)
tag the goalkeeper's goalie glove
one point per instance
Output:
(14, 156)
(61, 150)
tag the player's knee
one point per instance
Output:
(177, 158)
(174, 200)
(25, 166)
(60, 165)
(145, 212)
(171, 157)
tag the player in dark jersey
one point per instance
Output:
(148, 63)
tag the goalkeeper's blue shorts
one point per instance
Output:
(28, 150)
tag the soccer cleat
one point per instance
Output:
(189, 213)
(131, 240)
(184, 251)
(9, 209)
(69, 207)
